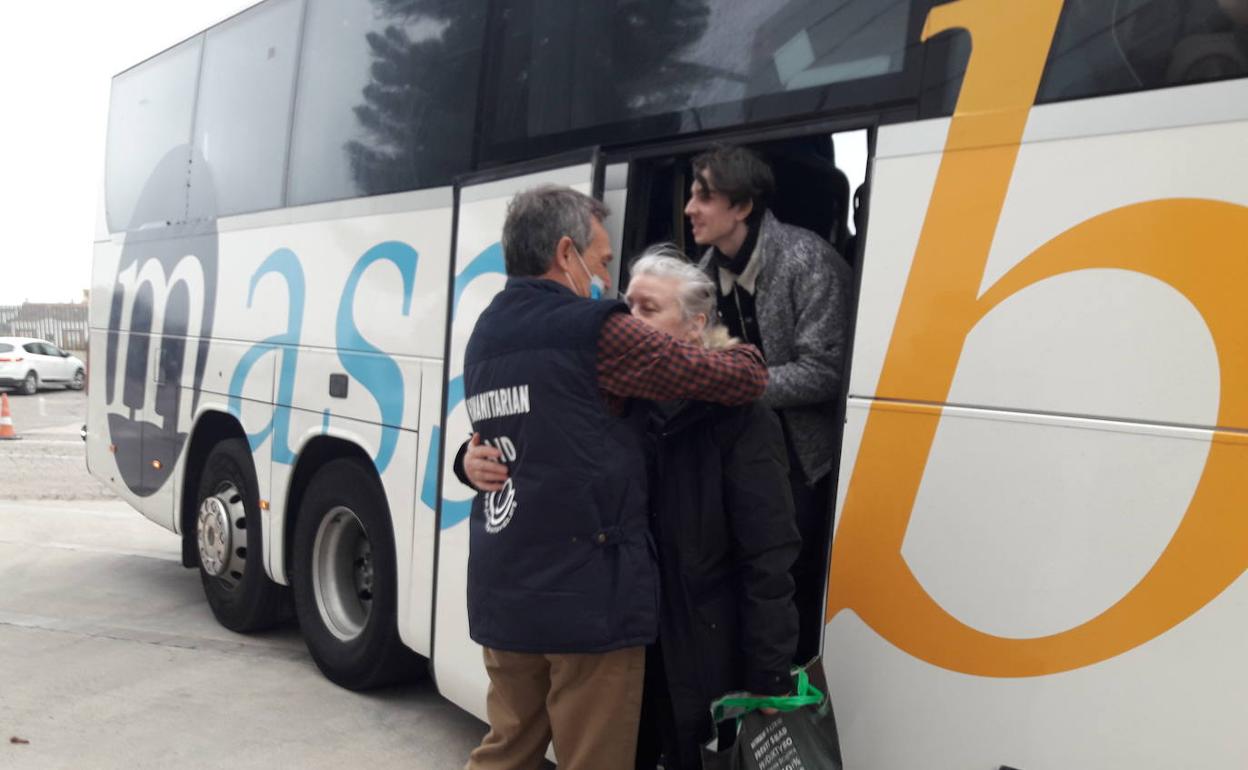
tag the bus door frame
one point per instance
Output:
(455, 663)
(868, 121)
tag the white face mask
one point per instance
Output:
(597, 287)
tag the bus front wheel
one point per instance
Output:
(229, 541)
(345, 579)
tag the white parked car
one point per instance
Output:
(28, 364)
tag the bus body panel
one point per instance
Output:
(103, 463)
(1201, 161)
(1174, 703)
(399, 485)
(1026, 526)
(457, 662)
(377, 285)
(359, 295)
(424, 538)
(1080, 426)
(152, 305)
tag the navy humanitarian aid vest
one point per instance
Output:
(560, 560)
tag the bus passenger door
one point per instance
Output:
(477, 275)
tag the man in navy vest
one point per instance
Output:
(562, 579)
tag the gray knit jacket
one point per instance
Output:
(801, 298)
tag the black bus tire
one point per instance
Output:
(345, 579)
(240, 593)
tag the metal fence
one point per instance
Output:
(64, 325)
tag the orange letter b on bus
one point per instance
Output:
(1194, 246)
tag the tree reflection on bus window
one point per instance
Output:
(386, 98)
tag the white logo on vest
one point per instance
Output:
(499, 507)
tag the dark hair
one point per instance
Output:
(738, 173)
(538, 218)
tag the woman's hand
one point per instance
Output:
(483, 467)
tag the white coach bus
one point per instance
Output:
(1041, 524)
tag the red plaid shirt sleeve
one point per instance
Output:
(636, 361)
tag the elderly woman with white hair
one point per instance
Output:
(722, 517)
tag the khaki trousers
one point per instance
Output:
(588, 705)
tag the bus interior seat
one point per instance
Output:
(811, 192)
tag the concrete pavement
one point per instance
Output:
(49, 462)
(110, 658)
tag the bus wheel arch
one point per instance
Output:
(342, 567)
(210, 429)
(222, 532)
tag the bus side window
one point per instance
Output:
(149, 130)
(1104, 48)
(386, 99)
(243, 116)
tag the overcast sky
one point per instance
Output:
(56, 60)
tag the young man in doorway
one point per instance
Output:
(786, 291)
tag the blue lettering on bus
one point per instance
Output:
(377, 372)
(456, 511)
(284, 263)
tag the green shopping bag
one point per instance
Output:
(802, 736)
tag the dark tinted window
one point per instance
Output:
(1114, 46)
(386, 96)
(149, 132)
(5, 347)
(1104, 46)
(243, 117)
(34, 348)
(567, 66)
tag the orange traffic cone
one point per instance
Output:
(6, 420)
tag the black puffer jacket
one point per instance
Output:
(722, 516)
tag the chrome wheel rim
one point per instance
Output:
(221, 534)
(30, 385)
(342, 573)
